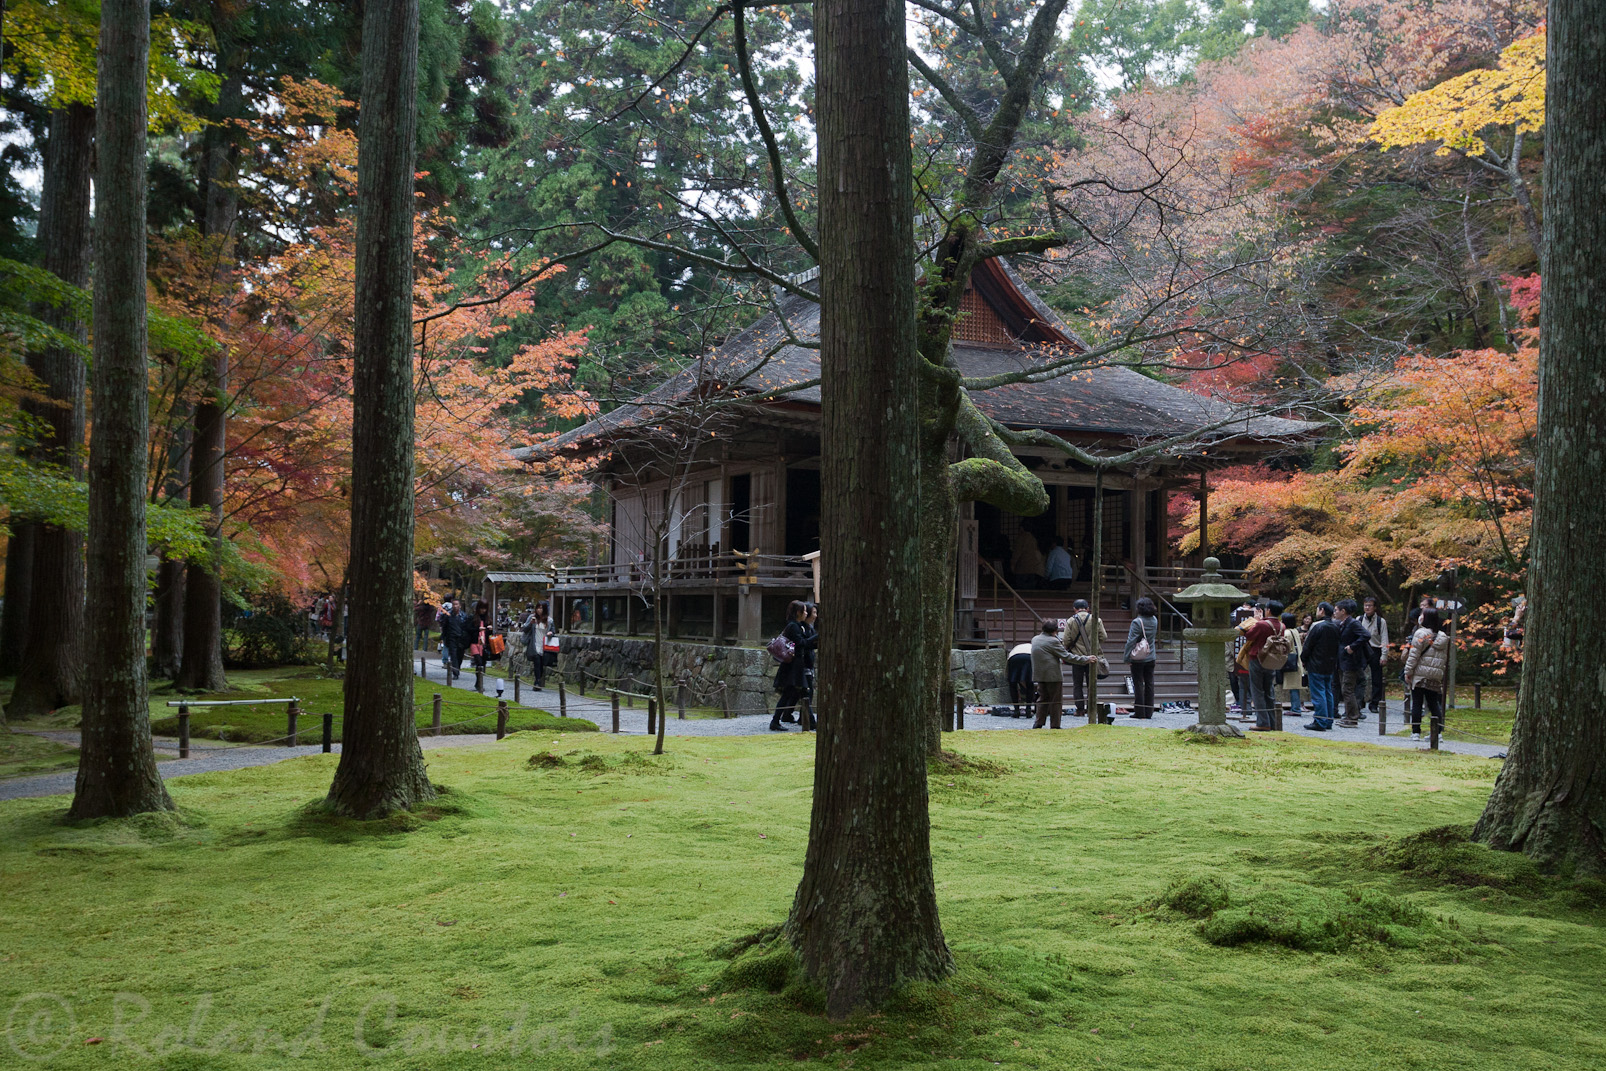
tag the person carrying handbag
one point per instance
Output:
(1142, 636)
(1083, 637)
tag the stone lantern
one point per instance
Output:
(1213, 599)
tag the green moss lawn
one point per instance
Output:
(468, 711)
(23, 754)
(1115, 898)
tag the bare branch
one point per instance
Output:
(777, 171)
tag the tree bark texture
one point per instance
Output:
(116, 768)
(19, 595)
(865, 915)
(167, 633)
(51, 674)
(381, 766)
(201, 668)
(1550, 799)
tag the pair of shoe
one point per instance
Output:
(1313, 727)
(777, 727)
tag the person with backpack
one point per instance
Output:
(454, 638)
(1426, 663)
(1319, 652)
(1142, 637)
(791, 649)
(1288, 676)
(1265, 651)
(1083, 637)
(1377, 633)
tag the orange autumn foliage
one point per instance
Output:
(286, 323)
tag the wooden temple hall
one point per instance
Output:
(729, 494)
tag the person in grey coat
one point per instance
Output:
(1048, 656)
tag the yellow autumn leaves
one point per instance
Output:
(1458, 111)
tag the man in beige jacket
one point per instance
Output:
(1084, 638)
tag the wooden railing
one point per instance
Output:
(692, 565)
(1014, 621)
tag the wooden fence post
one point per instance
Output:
(680, 699)
(516, 690)
(479, 679)
(959, 711)
(328, 732)
(563, 700)
(947, 701)
(1477, 697)
(183, 730)
(652, 717)
(436, 716)
(291, 714)
(501, 718)
(615, 711)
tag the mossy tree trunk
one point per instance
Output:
(865, 915)
(52, 671)
(117, 772)
(167, 627)
(1550, 799)
(19, 595)
(381, 765)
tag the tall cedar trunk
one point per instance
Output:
(19, 595)
(201, 667)
(167, 632)
(865, 915)
(52, 670)
(1096, 594)
(381, 766)
(939, 538)
(659, 606)
(1550, 799)
(116, 768)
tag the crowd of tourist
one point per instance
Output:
(1335, 657)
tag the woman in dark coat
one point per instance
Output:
(481, 629)
(791, 678)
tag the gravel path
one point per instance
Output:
(634, 721)
(209, 756)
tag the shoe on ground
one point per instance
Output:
(777, 728)
(1313, 727)
(1260, 728)
(1416, 737)
(1347, 724)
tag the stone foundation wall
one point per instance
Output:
(736, 679)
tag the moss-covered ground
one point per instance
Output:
(1114, 898)
(462, 711)
(22, 754)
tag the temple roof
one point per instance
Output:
(1005, 328)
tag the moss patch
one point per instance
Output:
(598, 915)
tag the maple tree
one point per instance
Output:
(1463, 113)
(286, 322)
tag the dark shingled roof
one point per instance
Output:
(1109, 401)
